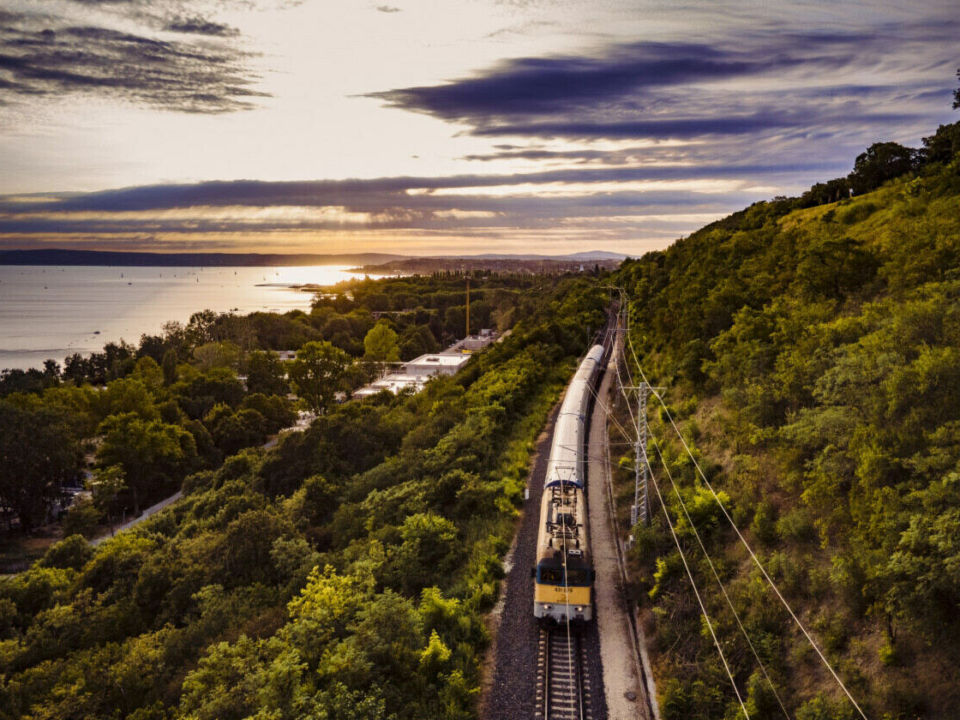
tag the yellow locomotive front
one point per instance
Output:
(563, 589)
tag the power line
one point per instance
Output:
(716, 576)
(696, 592)
(743, 540)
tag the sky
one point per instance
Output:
(443, 126)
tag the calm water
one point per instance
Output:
(53, 312)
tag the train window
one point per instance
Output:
(554, 576)
(551, 576)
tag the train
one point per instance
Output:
(564, 575)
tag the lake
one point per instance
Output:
(53, 312)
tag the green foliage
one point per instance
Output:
(73, 552)
(217, 355)
(340, 575)
(265, 373)
(823, 348)
(38, 453)
(82, 518)
(149, 452)
(317, 374)
(380, 344)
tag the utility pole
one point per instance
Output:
(641, 488)
(468, 306)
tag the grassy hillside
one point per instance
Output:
(812, 356)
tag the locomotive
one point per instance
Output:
(563, 577)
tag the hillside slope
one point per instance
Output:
(813, 359)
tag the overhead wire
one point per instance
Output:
(742, 539)
(696, 592)
(716, 575)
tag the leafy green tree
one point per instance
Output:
(199, 330)
(197, 392)
(149, 373)
(266, 374)
(429, 548)
(170, 367)
(217, 355)
(317, 374)
(127, 395)
(82, 518)
(881, 162)
(234, 430)
(73, 552)
(380, 343)
(38, 454)
(150, 452)
(106, 485)
(277, 410)
(455, 320)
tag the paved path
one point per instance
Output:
(622, 676)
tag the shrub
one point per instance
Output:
(82, 518)
(73, 552)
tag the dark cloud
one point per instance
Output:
(427, 204)
(374, 195)
(529, 87)
(684, 89)
(42, 58)
(387, 9)
(200, 26)
(682, 127)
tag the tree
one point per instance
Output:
(235, 430)
(381, 346)
(265, 373)
(881, 162)
(217, 355)
(106, 484)
(196, 393)
(127, 395)
(170, 367)
(147, 451)
(37, 455)
(317, 374)
(72, 552)
(82, 518)
(149, 373)
(956, 94)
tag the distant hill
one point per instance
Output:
(589, 255)
(533, 264)
(145, 259)
(61, 256)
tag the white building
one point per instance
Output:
(417, 372)
(431, 365)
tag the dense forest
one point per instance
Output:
(182, 401)
(342, 574)
(811, 350)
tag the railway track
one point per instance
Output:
(563, 685)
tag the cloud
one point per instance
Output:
(200, 26)
(618, 205)
(42, 57)
(754, 84)
(387, 9)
